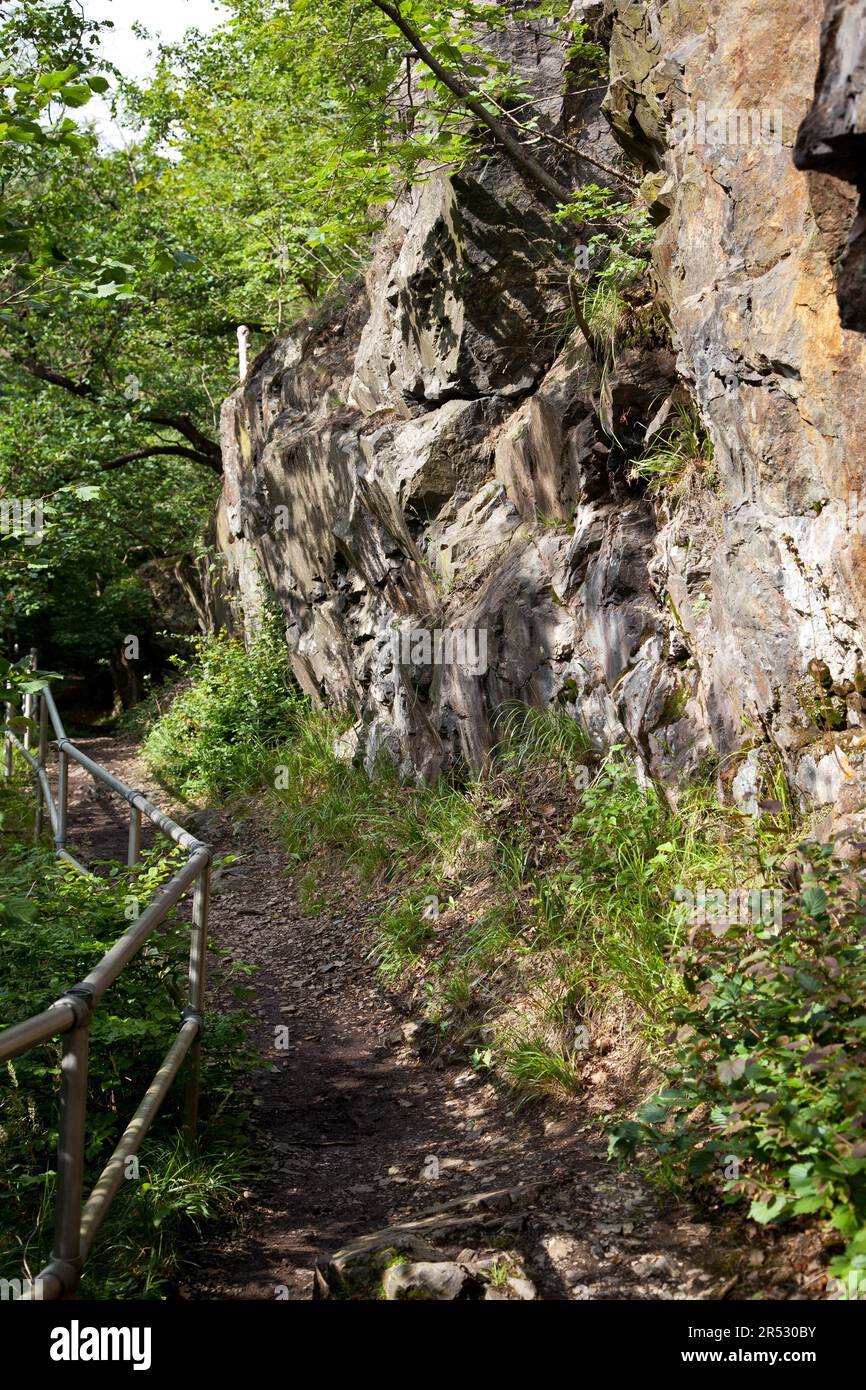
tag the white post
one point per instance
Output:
(29, 702)
(243, 350)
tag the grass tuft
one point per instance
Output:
(678, 458)
(537, 1067)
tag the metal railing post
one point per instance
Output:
(62, 798)
(134, 851)
(28, 715)
(7, 758)
(76, 1226)
(29, 699)
(66, 1252)
(195, 1006)
(41, 758)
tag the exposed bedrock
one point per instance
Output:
(440, 453)
(832, 139)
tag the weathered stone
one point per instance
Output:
(522, 1287)
(440, 1280)
(425, 462)
(361, 1264)
(832, 139)
(746, 256)
(435, 456)
(820, 780)
(460, 312)
(548, 456)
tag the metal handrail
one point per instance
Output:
(76, 1226)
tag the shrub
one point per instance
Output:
(620, 250)
(54, 926)
(213, 740)
(767, 1086)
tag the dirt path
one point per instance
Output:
(350, 1119)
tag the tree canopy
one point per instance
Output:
(256, 166)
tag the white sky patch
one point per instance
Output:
(163, 19)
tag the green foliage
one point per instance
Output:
(622, 231)
(629, 855)
(107, 348)
(295, 123)
(91, 378)
(16, 806)
(677, 456)
(18, 679)
(54, 926)
(613, 898)
(380, 825)
(769, 1045)
(619, 246)
(217, 735)
(492, 937)
(48, 51)
(531, 735)
(401, 933)
(280, 124)
(259, 164)
(156, 1224)
(538, 1068)
(323, 799)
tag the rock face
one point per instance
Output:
(443, 456)
(832, 139)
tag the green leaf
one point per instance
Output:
(845, 1219)
(76, 94)
(652, 1113)
(53, 81)
(801, 1176)
(764, 1212)
(804, 1206)
(814, 902)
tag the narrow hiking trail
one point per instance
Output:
(357, 1132)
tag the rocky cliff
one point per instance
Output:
(445, 453)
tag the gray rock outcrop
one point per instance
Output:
(832, 138)
(443, 454)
